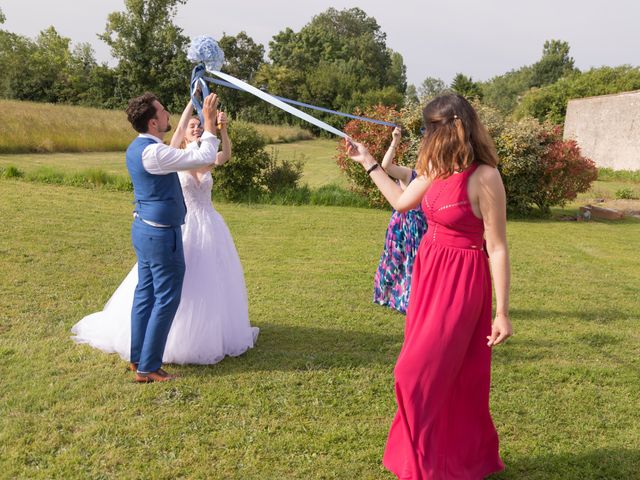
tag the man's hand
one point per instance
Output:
(210, 112)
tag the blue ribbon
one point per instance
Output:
(198, 78)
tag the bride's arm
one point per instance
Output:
(224, 155)
(178, 135)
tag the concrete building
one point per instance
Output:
(607, 128)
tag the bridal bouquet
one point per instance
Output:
(206, 50)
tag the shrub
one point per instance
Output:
(626, 194)
(10, 172)
(242, 175)
(377, 138)
(282, 175)
(565, 172)
(520, 149)
(538, 168)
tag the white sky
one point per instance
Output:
(478, 38)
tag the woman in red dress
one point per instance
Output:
(443, 428)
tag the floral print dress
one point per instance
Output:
(392, 281)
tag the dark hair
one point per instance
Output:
(140, 110)
(453, 138)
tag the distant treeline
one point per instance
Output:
(338, 60)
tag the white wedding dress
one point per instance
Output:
(213, 319)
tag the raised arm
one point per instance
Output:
(398, 172)
(400, 200)
(225, 154)
(160, 159)
(225, 144)
(492, 203)
(178, 135)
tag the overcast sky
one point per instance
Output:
(478, 38)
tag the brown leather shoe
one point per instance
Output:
(158, 376)
(133, 367)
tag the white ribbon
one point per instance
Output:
(278, 103)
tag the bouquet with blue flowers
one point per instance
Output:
(206, 50)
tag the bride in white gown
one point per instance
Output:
(213, 319)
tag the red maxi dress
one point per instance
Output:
(443, 429)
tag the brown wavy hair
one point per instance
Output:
(140, 110)
(453, 138)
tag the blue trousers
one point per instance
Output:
(157, 295)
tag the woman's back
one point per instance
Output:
(449, 212)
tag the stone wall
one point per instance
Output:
(607, 128)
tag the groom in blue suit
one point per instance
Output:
(156, 234)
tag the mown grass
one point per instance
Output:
(320, 167)
(318, 156)
(321, 183)
(29, 127)
(314, 399)
(328, 195)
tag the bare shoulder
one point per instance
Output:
(488, 175)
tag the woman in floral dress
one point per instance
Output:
(392, 280)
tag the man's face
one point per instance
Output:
(162, 118)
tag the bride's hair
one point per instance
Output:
(453, 138)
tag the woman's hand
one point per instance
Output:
(359, 153)
(396, 135)
(500, 330)
(222, 120)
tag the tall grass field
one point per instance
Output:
(46, 128)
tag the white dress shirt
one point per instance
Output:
(161, 159)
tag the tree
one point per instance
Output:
(151, 51)
(339, 60)
(243, 58)
(81, 66)
(397, 73)
(504, 91)
(411, 96)
(14, 49)
(431, 87)
(554, 64)
(46, 75)
(2, 17)
(46, 70)
(550, 102)
(466, 87)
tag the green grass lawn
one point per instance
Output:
(314, 398)
(320, 167)
(318, 155)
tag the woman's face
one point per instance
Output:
(194, 132)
